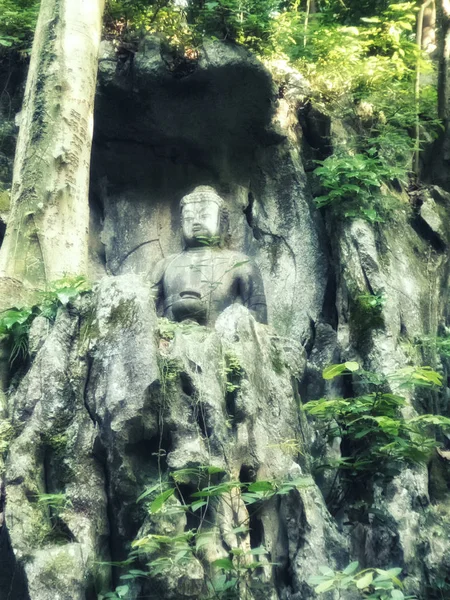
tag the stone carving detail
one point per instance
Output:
(205, 278)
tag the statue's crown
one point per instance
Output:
(203, 193)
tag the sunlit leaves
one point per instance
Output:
(377, 584)
(162, 553)
(354, 181)
(160, 500)
(15, 322)
(417, 376)
(333, 371)
(376, 434)
(17, 23)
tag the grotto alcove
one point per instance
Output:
(162, 128)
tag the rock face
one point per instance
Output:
(116, 400)
(111, 406)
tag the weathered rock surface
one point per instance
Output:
(109, 407)
(115, 399)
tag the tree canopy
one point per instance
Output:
(360, 58)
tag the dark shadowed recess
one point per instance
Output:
(12, 578)
(161, 133)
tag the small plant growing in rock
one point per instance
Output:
(54, 502)
(15, 322)
(52, 508)
(15, 326)
(353, 183)
(167, 329)
(6, 435)
(438, 344)
(374, 584)
(212, 241)
(233, 373)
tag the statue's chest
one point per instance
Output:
(209, 272)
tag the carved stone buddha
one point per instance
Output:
(205, 278)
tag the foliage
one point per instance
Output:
(338, 59)
(439, 344)
(15, 322)
(17, 23)
(52, 508)
(376, 437)
(376, 584)
(372, 301)
(245, 21)
(167, 329)
(350, 12)
(128, 20)
(15, 325)
(362, 69)
(354, 182)
(54, 502)
(211, 241)
(232, 372)
(233, 576)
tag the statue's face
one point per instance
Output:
(201, 222)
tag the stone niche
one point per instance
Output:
(163, 127)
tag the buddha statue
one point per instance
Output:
(206, 277)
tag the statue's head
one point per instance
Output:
(204, 217)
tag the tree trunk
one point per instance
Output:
(47, 233)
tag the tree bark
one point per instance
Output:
(47, 233)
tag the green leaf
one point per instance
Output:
(213, 470)
(258, 550)
(365, 581)
(351, 568)
(326, 571)
(324, 586)
(397, 595)
(180, 555)
(148, 492)
(333, 371)
(261, 486)
(394, 571)
(252, 497)
(12, 317)
(241, 529)
(159, 501)
(224, 563)
(196, 505)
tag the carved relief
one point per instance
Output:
(206, 277)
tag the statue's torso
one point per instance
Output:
(213, 273)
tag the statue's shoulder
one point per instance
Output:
(157, 273)
(237, 256)
(239, 259)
